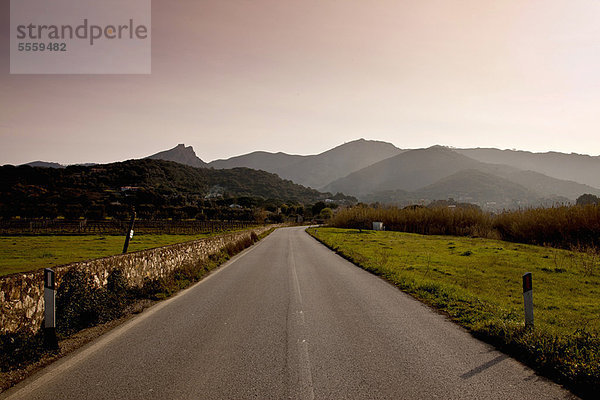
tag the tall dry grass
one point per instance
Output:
(562, 227)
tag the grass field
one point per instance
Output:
(27, 253)
(478, 282)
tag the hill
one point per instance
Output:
(180, 154)
(318, 170)
(44, 164)
(161, 188)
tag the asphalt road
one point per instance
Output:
(288, 319)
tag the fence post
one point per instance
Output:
(49, 309)
(528, 299)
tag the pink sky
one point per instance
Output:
(301, 76)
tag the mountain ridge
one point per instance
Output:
(379, 170)
(316, 170)
(575, 167)
(180, 154)
(415, 170)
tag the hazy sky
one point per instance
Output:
(301, 76)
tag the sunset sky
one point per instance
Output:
(302, 76)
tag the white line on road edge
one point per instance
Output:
(62, 365)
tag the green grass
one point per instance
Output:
(478, 282)
(28, 253)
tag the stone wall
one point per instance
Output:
(22, 295)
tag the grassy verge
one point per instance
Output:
(28, 253)
(81, 305)
(477, 282)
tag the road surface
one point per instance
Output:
(288, 319)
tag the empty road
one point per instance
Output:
(288, 319)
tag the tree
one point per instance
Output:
(316, 209)
(587, 198)
(326, 213)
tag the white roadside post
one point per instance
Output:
(129, 234)
(528, 299)
(49, 309)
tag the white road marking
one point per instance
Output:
(305, 373)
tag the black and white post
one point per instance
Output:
(528, 299)
(129, 232)
(49, 309)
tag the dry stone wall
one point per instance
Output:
(22, 295)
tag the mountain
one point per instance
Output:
(408, 171)
(439, 172)
(573, 167)
(180, 154)
(488, 190)
(45, 164)
(379, 171)
(318, 170)
(466, 186)
(544, 185)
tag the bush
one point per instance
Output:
(587, 198)
(76, 302)
(326, 213)
(80, 304)
(19, 349)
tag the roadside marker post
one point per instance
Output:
(528, 299)
(49, 309)
(129, 233)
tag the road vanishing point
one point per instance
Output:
(288, 319)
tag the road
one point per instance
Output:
(288, 318)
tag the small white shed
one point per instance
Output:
(377, 226)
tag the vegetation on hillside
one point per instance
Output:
(158, 189)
